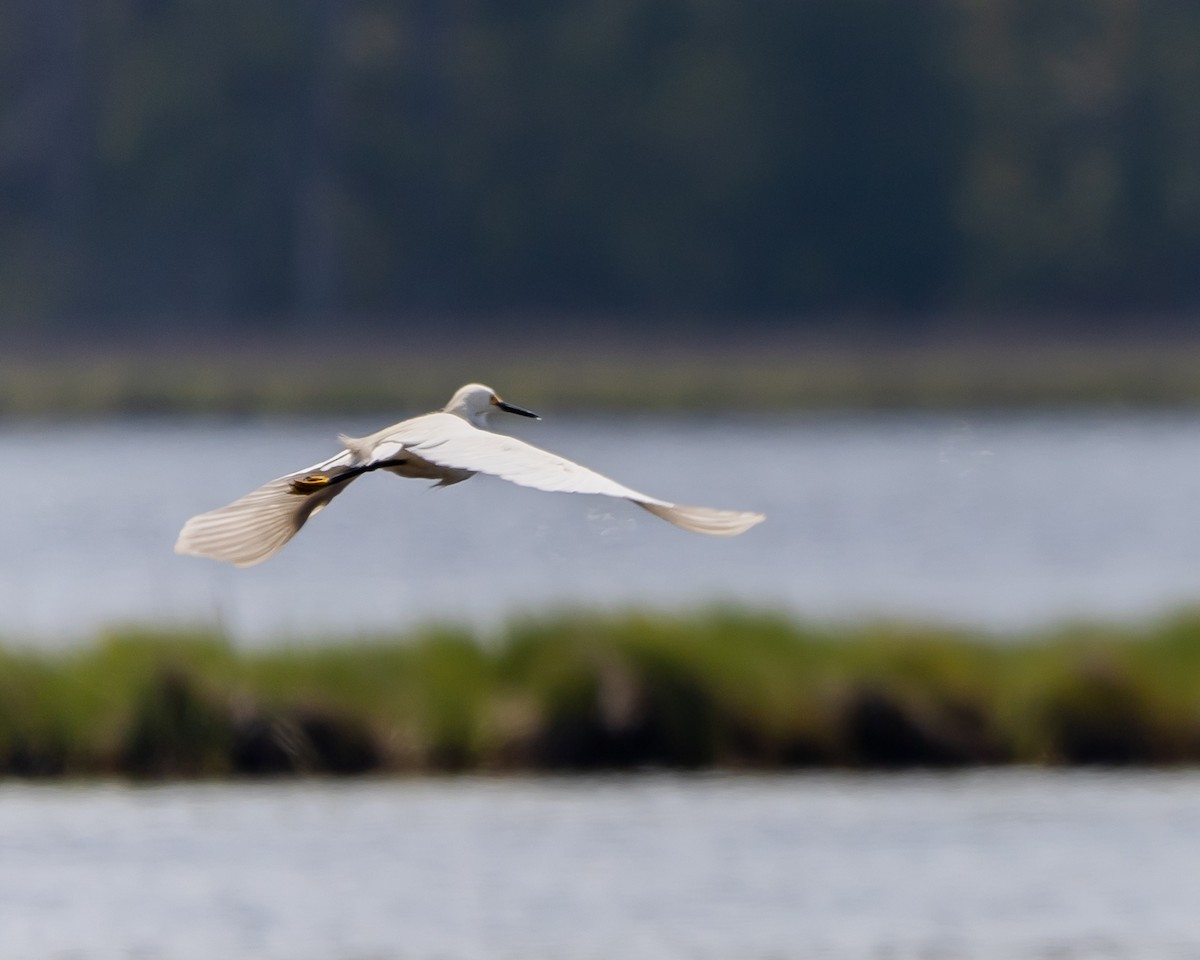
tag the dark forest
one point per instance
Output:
(236, 165)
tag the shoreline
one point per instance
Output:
(717, 691)
(760, 374)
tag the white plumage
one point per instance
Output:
(449, 446)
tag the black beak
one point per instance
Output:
(519, 411)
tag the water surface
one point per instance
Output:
(995, 521)
(1002, 866)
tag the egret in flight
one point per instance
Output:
(449, 446)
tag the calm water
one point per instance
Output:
(996, 866)
(997, 521)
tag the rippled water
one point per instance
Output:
(996, 865)
(999, 521)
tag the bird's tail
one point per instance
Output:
(718, 523)
(256, 526)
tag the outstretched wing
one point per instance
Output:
(449, 441)
(256, 526)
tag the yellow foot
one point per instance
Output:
(310, 484)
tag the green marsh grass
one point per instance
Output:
(721, 689)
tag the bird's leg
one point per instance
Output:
(319, 481)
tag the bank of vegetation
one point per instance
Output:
(552, 373)
(579, 693)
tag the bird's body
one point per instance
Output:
(448, 446)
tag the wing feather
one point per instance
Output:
(717, 523)
(256, 526)
(450, 442)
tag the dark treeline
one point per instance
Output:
(164, 161)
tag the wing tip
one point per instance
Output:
(716, 523)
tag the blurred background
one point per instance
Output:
(872, 243)
(916, 279)
(671, 165)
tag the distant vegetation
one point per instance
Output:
(168, 166)
(727, 690)
(321, 376)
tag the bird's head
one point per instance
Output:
(475, 402)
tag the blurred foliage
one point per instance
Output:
(750, 373)
(175, 164)
(721, 689)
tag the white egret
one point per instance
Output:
(449, 446)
